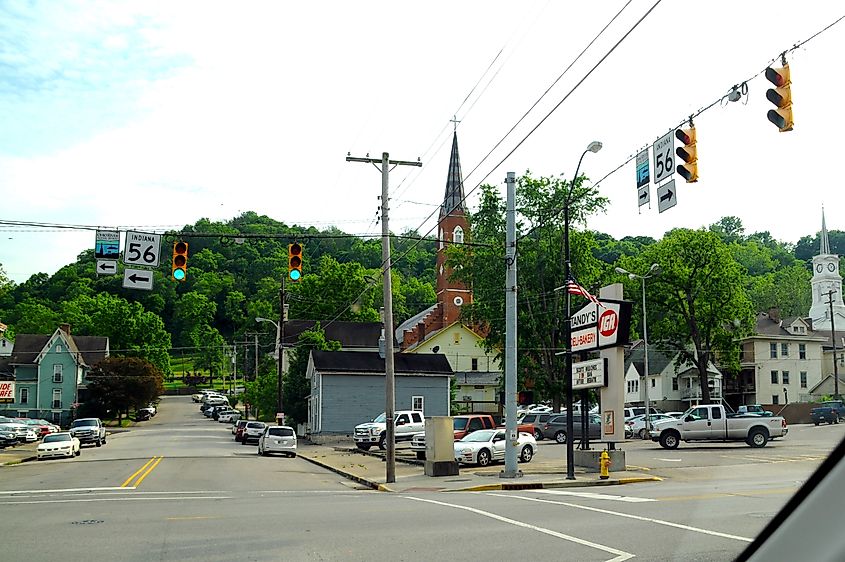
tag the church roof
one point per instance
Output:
(824, 246)
(454, 183)
(411, 323)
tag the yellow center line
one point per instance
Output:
(147, 473)
(137, 472)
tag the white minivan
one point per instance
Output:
(277, 439)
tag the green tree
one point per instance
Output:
(326, 292)
(698, 304)
(193, 312)
(296, 386)
(540, 308)
(117, 384)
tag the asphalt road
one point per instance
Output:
(179, 488)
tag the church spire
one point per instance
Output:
(825, 242)
(454, 199)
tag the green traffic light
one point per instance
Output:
(295, 274)
(179, 274)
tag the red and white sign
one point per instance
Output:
(598, 327)
(7, 391)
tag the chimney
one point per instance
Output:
(774, 314)
(65, 328)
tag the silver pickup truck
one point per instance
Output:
(712, 423)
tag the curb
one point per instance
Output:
(19, 461)
(354, 477)
(551, 485)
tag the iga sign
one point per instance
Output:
(589, 374)
(7, 391)
(600, 326)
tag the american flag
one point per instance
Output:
(573, 288)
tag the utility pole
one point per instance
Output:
(830, 294)
(389, 389)
(283, 317)
(511, 470)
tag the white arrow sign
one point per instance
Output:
(667, 196)
(106, 267)
(138, 279)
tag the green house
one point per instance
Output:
(50, 373)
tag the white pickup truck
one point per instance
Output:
(406, 424)
(712, 423)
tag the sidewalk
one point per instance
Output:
(18, 454)
(368, 469)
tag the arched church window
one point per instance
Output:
(458, 235)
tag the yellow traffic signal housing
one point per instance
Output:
(179, 267)
(781, 96)
(294, 261)
(688, 153)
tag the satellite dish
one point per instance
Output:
(435, 349)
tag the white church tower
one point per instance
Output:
(826, 278)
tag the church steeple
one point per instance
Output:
(452, 227)
(825, 242)
(826, 285)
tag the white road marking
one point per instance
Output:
(668, 460)
(620, 555)
(629, 516)
(62, 490)
(119, 499)
(595, 496)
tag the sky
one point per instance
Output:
(151, 115)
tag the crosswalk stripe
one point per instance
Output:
(595, 496)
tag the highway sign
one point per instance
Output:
(643, 195)
(664, 157)
(138, 279)
(107, 244)
(642, 169)
(106, 267)
(142, 248)
(667, 197)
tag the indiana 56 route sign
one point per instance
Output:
(664, 156)
(142, 248)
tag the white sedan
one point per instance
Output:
(637, 423)
(229, 417)
(61, 444)
(487, 445)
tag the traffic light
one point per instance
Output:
(179, 267)
(294, 261)
(688, 153)
(781, 96)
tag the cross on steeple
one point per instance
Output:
(455, 121)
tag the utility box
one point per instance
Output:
(440, 447)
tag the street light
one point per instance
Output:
(594, 146)
(652, 271)
(279, 359)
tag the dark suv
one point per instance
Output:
(555, 428)
(89, 430)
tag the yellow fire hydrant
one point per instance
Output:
(604, 464)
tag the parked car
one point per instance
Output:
(89, 430)
(229, 417)
(215, 412)
(487, 445)
(41, 427)
(639, 411)
(7, 438)
(142, 414)
(638, 423)
(277, 439)
(238, 428)
(537, 420)
(407, 423)
(23, 432)
(61, 444)
(711, 423)
(756, 409)
(830, 412)
(555, 428)
(151, 408)
(252, 431)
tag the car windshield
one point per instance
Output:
(83, 423)
(381, 418)
(56, 437)
(459, 424)
(479, 436)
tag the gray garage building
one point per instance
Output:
(347, 388)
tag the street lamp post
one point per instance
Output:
(279, 359)
(594, 146)
(652, 271)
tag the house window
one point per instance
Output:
(58, 349)
(653, 383)
(802, 351)
(773, 350)
(57, 398)
(475, 363)
(774, 398)
(457, 336)
(57, 372)
(803, 376)
(774, 377)
(784, 350)
(458, 235)
(418, 403)
(674, 383)
(689, 383)
(57, 418)
(24, 396)
(785, 375)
